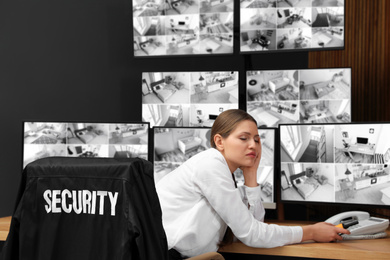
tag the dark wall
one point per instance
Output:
(70, 60)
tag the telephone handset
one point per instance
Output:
(366, 227)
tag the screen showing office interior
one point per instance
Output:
(335, 163)
(182, 27)
(80, 139)
(183, 99)
(299, 96)
(291, 25)
(173, 146)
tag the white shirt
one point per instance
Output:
(199, 200)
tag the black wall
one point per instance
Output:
(71, 60)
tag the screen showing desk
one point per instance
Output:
(80, 139)
(188, 98)
(291, 25)
(305, 96)
(174, 145)
(324, 163)
(182, 27)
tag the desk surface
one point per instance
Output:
(352, 249)
(362, 148)
(4, 227)
(348, 249)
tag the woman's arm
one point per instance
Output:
(214, 181)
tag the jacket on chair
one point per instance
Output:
(87, 208)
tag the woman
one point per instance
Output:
(199, 199)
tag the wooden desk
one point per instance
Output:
(362, 148)
(4, 227)
(352, 249)
(348, 249)
(359, 148)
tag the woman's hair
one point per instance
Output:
(227, 121)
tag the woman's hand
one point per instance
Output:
(250, 172)
(323, 232)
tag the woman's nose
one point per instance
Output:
(252, 144)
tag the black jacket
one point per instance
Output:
(87, 208)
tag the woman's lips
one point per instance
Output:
(251, 155)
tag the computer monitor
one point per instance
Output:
(85, 139)
(324, 163)
(174, 145)
(280, 26)
(172, 28)
(299, 96)
(362, 140)
(189, 98)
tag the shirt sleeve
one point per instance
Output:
(215, 183)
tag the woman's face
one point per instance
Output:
(242, 146)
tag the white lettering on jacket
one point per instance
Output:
(79, 201)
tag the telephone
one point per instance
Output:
(363, 225)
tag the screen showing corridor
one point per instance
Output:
(174, 145)
(299, 96)
(291, 25)
(339, 163)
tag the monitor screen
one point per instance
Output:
(299, 96)
(325, 163)
(80, 139)
(361, 140)
(188, 98)
(175, 145)
(166, 28)
(292, 25)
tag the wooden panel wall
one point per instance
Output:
(367, 52)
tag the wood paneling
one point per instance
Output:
(367, 52)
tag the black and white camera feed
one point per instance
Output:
(187, 98)
(182, 27)
(299, 96)
(173, 146)
(343, 163)
(272, 25)
(48, 139)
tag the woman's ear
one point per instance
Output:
(218, 140)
